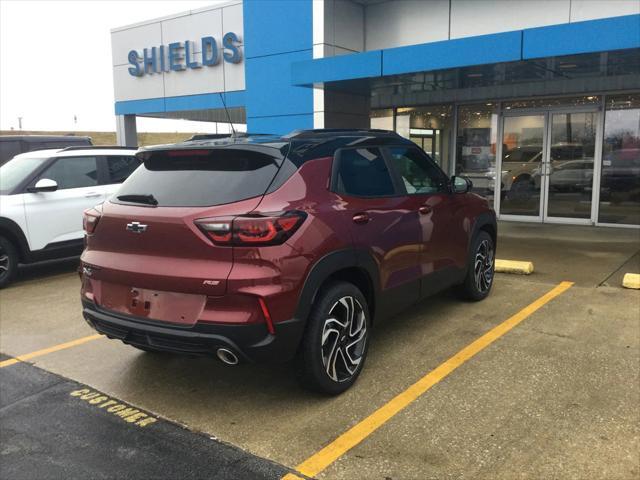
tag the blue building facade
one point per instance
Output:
(506, 97)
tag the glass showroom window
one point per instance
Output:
(430, 128)
(382, 119)
(620, 180)
(476, 146)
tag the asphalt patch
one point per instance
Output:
(48, 431)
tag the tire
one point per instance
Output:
(8, 262)
(340, 316)
(521, 190)
(480, 269)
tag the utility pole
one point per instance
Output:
(19, 123)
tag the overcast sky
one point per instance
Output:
(55, 62)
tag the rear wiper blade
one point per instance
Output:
(147, 199)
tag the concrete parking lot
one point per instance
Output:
(556, 396)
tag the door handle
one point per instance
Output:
(425, 209)
(361, 218)
(92, 195)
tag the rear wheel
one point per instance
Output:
(335, 343)
(480, 270)
(8, 261)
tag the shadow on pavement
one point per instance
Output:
(49, 433)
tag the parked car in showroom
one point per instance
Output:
(277, 248)
(520, 175)
(521, 167)
(42, 197)
(12, 145)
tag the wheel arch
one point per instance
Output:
(523, 176)
(12, 231)
(353, 266)
(486, 222)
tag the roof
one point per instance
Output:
(40, 138)
(298, 146)
(276, 141)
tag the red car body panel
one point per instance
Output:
(173, 275)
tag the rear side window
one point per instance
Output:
(120, 167)
(73, 172)
(201, 178)
(362, 172)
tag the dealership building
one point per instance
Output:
(536, 101)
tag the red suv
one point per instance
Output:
(274, 248)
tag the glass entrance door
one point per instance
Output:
(570, 165)
(523, 146)
(547, 166)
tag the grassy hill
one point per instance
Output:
(109, 138)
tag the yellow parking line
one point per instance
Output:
(356, 434)
(45, 351)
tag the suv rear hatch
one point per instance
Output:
(147, 256)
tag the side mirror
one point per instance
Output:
(460, 184)
(44, 185)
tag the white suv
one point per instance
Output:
(43, 195)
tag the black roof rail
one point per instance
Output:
(208, 136)
(97, 147)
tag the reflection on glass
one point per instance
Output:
(521, 165)
(430, 128)
(570, 172)
(620, 180)
(382, 119)
(476, 146)
(552, 102)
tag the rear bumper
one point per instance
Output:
(250, 342)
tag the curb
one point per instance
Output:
(631, 280)
(514, 266)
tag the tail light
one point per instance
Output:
(90, 219)
(269, 229)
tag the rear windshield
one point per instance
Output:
(201, 178)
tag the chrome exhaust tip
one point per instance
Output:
(227, 356)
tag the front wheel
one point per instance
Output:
(521, 190)
(8, 262)
(335, 343)
(480, 270)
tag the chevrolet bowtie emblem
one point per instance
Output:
(136, 227)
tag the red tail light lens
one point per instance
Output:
(217, 229)
(90, 219)
(273, 229)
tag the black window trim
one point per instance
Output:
(335, 167)
(31, 179)
(104, 178)
(398, 178)
(103, 170)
